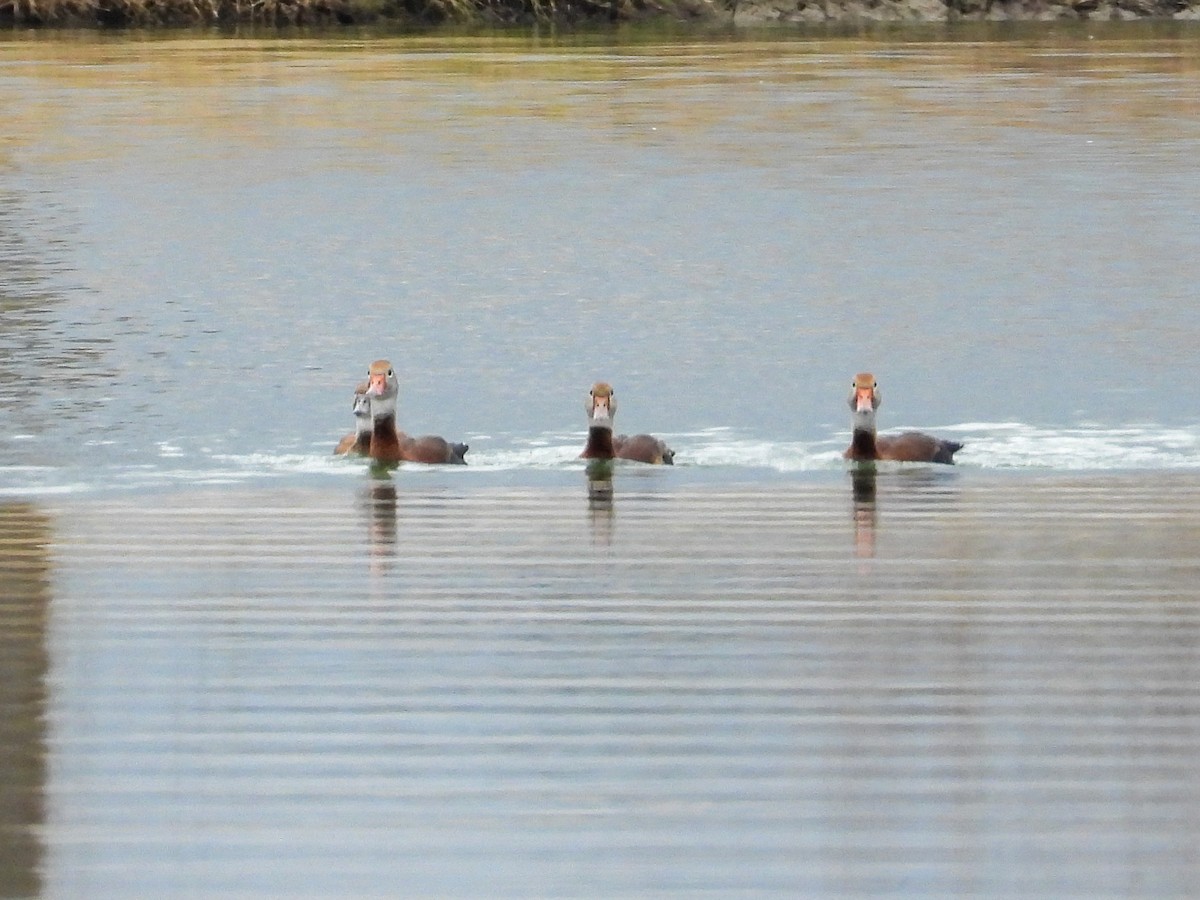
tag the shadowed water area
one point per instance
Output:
(235, 665)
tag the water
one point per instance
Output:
(239, 666)
(928, 685)
(211, 239)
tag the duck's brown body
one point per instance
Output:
(644, 448)
(388, 444)
(603, 444)
(353, 443)
(911, 446)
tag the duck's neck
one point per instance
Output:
(383, 434)
(862, 440)
(599, 443)
(862, 444)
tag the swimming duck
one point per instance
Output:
(911, 446)
(601, 407)
(387, 444)
(359, 441)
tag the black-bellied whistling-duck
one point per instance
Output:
(387, 444)
(601, 406)
(360, 440)
(911, 446)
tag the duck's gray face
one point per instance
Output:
(362, 410)
(601, 406)
(864, 400)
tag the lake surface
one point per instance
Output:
(238, 666)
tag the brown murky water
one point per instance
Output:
(234, 666)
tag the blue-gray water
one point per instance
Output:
(238, 666)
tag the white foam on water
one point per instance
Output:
(987, 445)
(1017, 445)
(545, 451)
(282, 463)
(25, 481)
(45, 489)
(781, 456)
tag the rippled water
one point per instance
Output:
(236, 665)
(920, 683)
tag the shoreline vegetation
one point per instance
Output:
(570, 13)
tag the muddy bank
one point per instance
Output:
(568, 13)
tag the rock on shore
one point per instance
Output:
(756, 12)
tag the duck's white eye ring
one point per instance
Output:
(390, 373)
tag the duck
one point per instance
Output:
(601, 406)
(911, 446)
(389, 445)
(359, 441)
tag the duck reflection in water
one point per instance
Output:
(600, 499)
(862, 480)
(379, 503)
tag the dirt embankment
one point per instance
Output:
(568, 13)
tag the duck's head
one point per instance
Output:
(362, 406)
(601, 405)
(382, 388)
(864, 400)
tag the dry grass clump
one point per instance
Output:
(139, 13)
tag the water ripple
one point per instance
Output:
(779, 689)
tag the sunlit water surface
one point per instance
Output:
(238, 666)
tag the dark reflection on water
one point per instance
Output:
(862, 478)
(380, 499)
(25, 597)
(601, 499)
(908, 490)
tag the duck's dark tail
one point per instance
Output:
(457, 452)
(945, 452)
